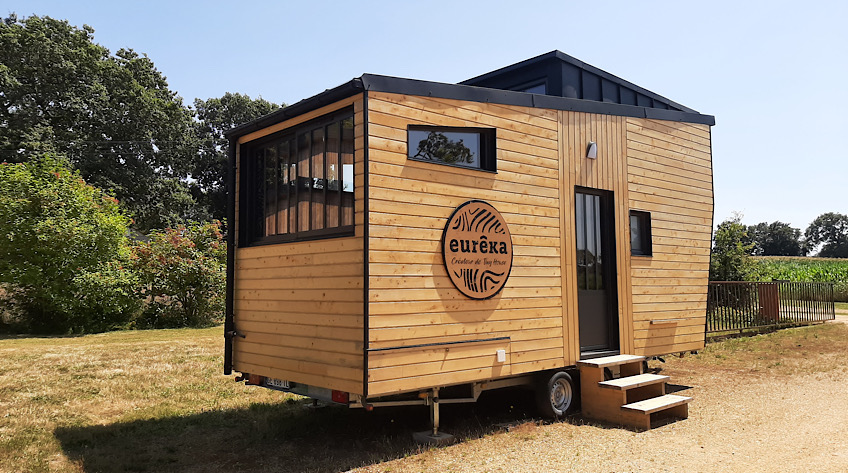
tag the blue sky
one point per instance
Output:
(772, 73)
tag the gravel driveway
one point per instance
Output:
(778, 404)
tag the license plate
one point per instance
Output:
(276, 383)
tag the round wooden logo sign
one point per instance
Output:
(477, 249)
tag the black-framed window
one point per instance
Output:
(640, 233)
(472, 148)
(298, 184)
(532, 87)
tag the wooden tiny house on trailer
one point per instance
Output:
(395, 236)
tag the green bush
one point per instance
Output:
(730, 260)
(62, 242)
(182, 272)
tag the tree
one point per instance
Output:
(730, 260)
(112, 115)
(62, 250)
(775, 239)
(183, 275)
(439, 147)
(831, 230)
(214, 117)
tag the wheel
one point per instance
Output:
(557, 395)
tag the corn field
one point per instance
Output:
(807, 270)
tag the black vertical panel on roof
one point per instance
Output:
(591, 87)
(609, 91)
(643, 100)
(571, 81)
(627, 96)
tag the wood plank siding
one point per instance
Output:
(649, 165)
(608, 172)
(411, 298)
(670, 175)
(300, 306)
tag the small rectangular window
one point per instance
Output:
(472, 148)
(640, 233)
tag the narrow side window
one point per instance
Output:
(640, 233)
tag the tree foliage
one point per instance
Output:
(774, 239)
(209, 170)
(730, 259)
(439, 147)
(830, 230)
(62, 250)
(112, 115)
(183, 275)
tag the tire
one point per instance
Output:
(557, 395)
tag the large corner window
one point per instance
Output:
(298, 184)
(640, 233)
(472, 148)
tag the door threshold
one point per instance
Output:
(588, 355)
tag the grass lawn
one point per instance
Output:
(157, 401)
(842, 306)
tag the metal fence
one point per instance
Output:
(739, 306)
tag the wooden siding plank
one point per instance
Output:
(248, 364)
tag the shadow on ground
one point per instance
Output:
(288, 436)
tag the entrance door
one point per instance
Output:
(596, 279)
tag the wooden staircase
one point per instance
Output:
(634, 399)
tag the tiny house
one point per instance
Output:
(392, 238)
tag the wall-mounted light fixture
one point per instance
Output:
(592, 150)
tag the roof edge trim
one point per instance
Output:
(378, 83)
(327, 97)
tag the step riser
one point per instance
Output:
(645, 392)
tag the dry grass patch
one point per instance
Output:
(156, 401)
(785, 352)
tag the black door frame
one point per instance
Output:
(610, 273)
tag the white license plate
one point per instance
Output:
(277, 383)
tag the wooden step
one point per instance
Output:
(656, 404)
(608, 361)
(631, 382)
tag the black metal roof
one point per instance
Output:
(645, 104)
(566, 76)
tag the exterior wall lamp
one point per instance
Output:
(592, 150)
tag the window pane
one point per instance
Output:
(270, 191)
(256, 221)
(599, 248)
(448, 147)
(333, 175)
(283, 189)
(591, 250)
(303, 200)
(579, 207)
(347, 171)
(534, 89)
(317, 179)
(635, 235)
